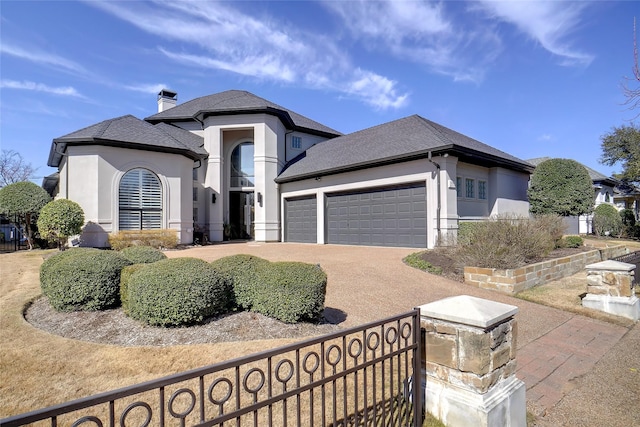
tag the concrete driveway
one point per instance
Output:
(557, 350)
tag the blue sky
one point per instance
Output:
(530, 78)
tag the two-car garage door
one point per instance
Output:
(384, 216)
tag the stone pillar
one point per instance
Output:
(470, 363)
(610, 288)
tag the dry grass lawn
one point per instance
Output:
(38, 369)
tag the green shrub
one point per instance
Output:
(290, 291)
(82, 279)
(125, 277)
(143, 254)
(60, 219)
(573, 242)
(606, 221)
(176, 292)
(155, 238)
(415, 260)
(505, 242)
(287, 291)
(243, 270)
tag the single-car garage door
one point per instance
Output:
(386, 216)
(300, 216)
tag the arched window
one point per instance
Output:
(140, 201)
(242, 165)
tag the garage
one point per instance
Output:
(384, 216)
(300, 215)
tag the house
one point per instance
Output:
(605, 191)
(234, 165)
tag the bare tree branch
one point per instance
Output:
(13, 168)
(631, 86)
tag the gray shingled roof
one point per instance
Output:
(593, 174)
(238, 102)
(131, 132)
(399, 140)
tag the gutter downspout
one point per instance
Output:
(439, 204)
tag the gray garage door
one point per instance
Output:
(300, 216)
(388, 216)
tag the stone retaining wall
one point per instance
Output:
(512, 281)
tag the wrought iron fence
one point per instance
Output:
(363, 376)
(12, 237)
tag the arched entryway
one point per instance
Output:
(241, 192)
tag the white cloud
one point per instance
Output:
(40, 57)
(146, 88)
(545, 137)
(547, 22)
(423, 33)
(219, 36)
(39, 87)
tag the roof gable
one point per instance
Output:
(131, 132)
(400, 140)
(239, 102)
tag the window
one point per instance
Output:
(140, 201)
(458, 186)
(195, 215)
(195, 174)
(482, 190)
(296, 142)
(195, 194)
(242, 165)
(469, 188)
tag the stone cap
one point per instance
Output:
(611, 265)
(468, 310)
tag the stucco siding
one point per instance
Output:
(97, 193)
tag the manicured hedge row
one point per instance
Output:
(82, 279)
(155, 238)
(175, 292)
(287, 291)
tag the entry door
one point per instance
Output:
(241, 215)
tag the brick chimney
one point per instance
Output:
(167, 99)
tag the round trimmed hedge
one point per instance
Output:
(244, 273)
(287, 291)
(82, 279)
(290, 291)
(177, 292)
(143, 254)
(606, 220)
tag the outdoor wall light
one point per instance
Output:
(260, 198)
(213, 197)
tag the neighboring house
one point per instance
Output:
(605, 190)
(234, 165)
(628, 197)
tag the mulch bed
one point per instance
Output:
(114, 327)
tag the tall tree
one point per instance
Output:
(13, 168)
(562, 187)
(25, 200)
(622, 145)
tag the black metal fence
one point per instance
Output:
(358, 377)
(12, 237)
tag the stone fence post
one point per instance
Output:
(610, 288)
(470, 363)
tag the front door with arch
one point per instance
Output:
(241, 192)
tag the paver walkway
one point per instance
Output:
(549, 364)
